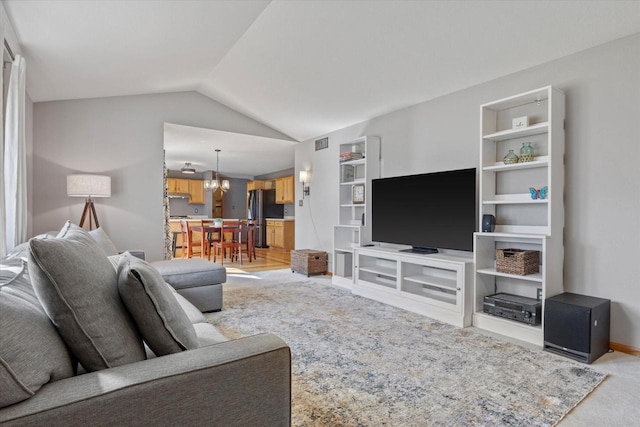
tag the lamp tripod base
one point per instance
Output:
(90, 211)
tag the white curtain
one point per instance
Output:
(15, 158)
(3, 216)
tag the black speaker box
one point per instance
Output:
(577, 326)
(488, 223)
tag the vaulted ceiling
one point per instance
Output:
(304, 68)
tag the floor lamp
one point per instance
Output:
(89, 186)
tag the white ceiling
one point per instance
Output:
(242, 156)
(304, 68)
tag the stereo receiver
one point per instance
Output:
(515, 307)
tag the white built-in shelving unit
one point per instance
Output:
(521, 222)
(354, 227)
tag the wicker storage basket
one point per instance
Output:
(517, 261)
(308, 261)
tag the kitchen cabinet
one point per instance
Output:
(280, 234)
(194, 188)
(284, 190)
(271, 230)
(196, 192)
(177, 186)
(255, 185)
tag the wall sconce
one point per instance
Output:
(305, 177)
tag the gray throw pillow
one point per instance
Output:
(165, 327)
(78, 289)
(103, 240)
(31, 350)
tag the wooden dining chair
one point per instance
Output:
(209, 238)
(249, 244)
(230, 238)
(188, 242)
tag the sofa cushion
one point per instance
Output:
(165, 327)
(103, 240)
(208, 334)
(78, 289)
(194, 315)
(32, 352)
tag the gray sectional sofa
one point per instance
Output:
(147, 354)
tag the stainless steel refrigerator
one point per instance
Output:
(262, 205)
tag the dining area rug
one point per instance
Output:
(358, 362)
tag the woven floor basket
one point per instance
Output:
(517, 261)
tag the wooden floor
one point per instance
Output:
(266, 259)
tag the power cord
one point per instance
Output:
(313, 223)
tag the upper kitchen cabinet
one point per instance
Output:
(196, 192)
(194, 188)
(285, 190)
(255, 185)
(177, 186)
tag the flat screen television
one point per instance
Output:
(428, 211)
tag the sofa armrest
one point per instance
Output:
(236, 383)
(138, 253)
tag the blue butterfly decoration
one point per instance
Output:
(538, 194)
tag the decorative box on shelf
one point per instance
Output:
(308, 261)
(517, 261)
(345, 157)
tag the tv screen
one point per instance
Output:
(431, 210)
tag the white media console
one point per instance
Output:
(435, 285)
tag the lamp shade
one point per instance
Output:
(304, 176)
(88, 186)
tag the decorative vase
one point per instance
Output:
(526, 153)
(510, 158)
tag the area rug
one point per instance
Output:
(357, 362)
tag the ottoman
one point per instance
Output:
(198, 280)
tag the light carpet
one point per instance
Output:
(357, 362)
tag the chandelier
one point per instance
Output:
(214, 184)
(188, 169)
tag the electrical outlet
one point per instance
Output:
(196, 210)
(300, 202)
(539, 294)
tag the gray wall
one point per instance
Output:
(121, 137)
(602, 194)
(274, 175)
(181, 207)
(235, 200)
